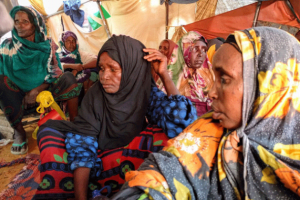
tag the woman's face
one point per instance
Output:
(227, 91)
(198, 54)
(70, 44)
(164, 48)
(110, 73)
(23, 25)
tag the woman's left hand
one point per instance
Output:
(159, 61)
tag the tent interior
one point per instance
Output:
(151, 21)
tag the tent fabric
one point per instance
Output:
(205, 9)
(228, 5)
(140, 20)
(39, 6)
(242, 18)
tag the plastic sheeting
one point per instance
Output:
(228, 5)
(242, 18)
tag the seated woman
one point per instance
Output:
(28, 65)
(192, 71)
(81, 64)
(166, 47)
(110, 136)
(248, 147)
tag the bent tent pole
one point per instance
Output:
(256, 13)
(103, 19)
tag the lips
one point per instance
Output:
(216, 114)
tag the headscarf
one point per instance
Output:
(259, 160)
(172, 47)
(115, 118)
(29, 64)
(65, 56)
(190, 82)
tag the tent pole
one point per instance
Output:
(167, 18)
(103, 19)
(256, 13)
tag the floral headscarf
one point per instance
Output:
(259, 160)
(192, 83)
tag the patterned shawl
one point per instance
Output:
(259, 160)
(191, 83)
(29, 64)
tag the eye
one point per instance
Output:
(101, 68)
(113, 70)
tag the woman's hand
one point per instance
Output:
(74, 72)
(158, 60)
(78, 67)
(30, 98)
(159, 65)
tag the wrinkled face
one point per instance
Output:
(227, 91)
(70, 44)
(23, 25)
(198, 54)
(164, 48)
(110, 73)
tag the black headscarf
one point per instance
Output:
(115, 118)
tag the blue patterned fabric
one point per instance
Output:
(82, 152)
(172, 114)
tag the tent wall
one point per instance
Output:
(242, 18)
(140, 19)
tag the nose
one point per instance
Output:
(212, 94)
(104, 74)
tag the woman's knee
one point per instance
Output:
(69, 78)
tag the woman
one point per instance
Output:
(248, 147)
(192, 71)
(112, 119)
(169, 49)
(28, 65)
(80, 63)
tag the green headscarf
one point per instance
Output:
(29, 64)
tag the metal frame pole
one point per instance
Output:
(167, 18)
(103, 19)
(256, 13)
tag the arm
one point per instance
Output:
(159, 64)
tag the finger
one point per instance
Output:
(154, 57)
(149, 50)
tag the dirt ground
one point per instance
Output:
(8, 173)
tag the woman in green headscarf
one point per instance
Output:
(29, 65)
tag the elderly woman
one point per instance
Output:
(110, 136)
(192, 72)
(80, 63)
(169, 49)
(28, 65)
(248, 147)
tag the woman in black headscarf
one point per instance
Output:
(113, 113)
